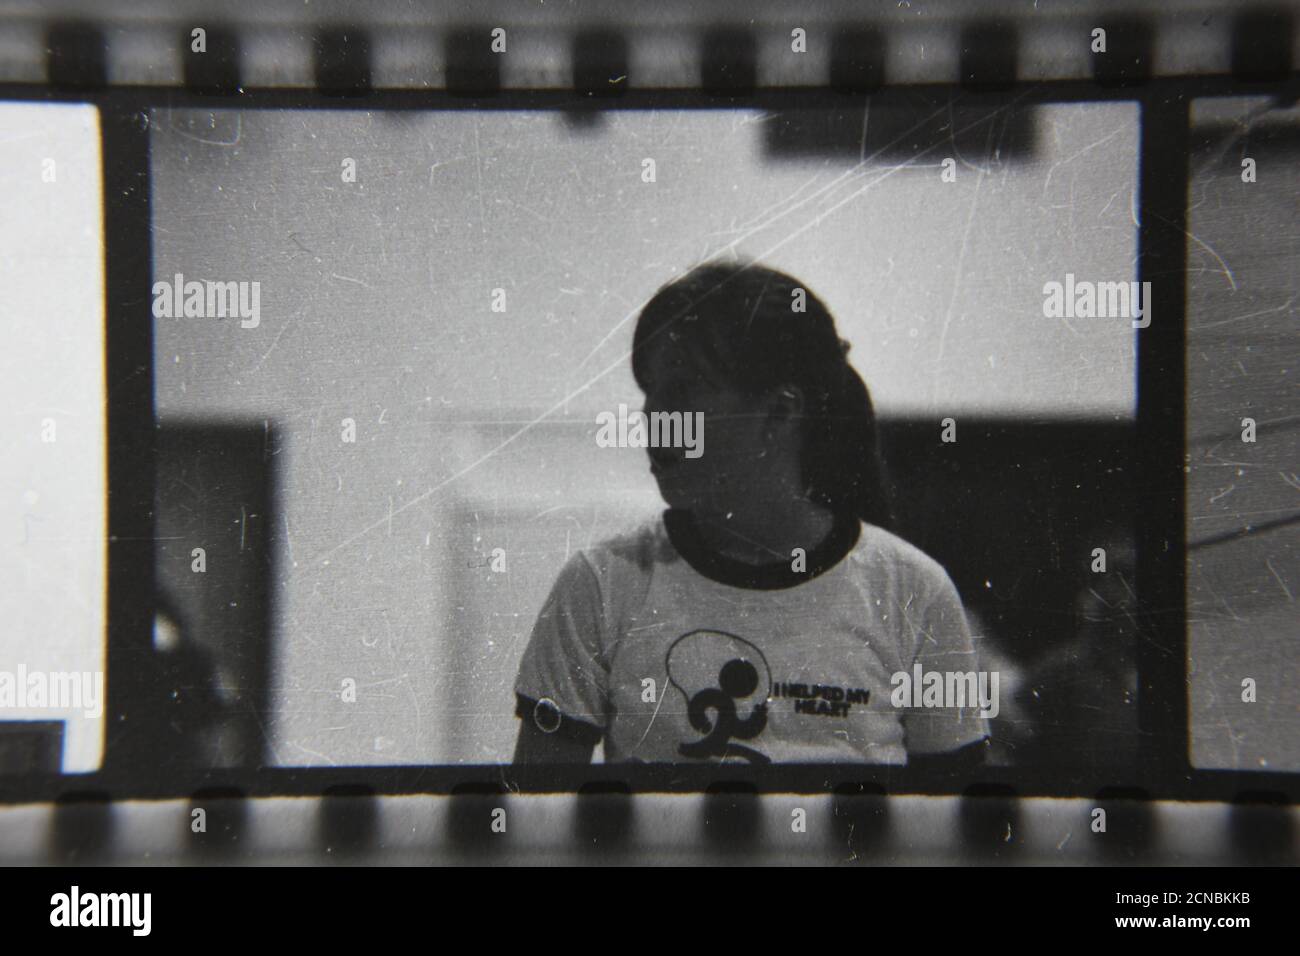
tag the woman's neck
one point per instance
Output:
(765, 537)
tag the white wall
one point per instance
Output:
(53, 525)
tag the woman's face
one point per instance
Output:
(745, 458)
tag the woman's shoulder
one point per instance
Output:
(615, 573)
(886, 555)
(632, 550)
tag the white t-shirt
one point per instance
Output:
(646, 645)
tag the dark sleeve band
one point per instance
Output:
(967, 758)
(547, 717)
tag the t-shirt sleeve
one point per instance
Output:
(945, 647)
(563, 681)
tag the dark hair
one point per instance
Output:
(743, 321)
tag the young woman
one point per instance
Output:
(762, 616)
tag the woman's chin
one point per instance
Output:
(677, 502)
(677, 497)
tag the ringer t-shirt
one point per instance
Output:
(670, 653)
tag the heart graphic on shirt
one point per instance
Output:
(726, 683)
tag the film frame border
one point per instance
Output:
(129, 769)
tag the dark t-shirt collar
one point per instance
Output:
(685, 538)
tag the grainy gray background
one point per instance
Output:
(1242, 355)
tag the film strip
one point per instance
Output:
(1164, 812)
(607, 49)
(352, 826)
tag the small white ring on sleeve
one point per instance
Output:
(546, 715)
